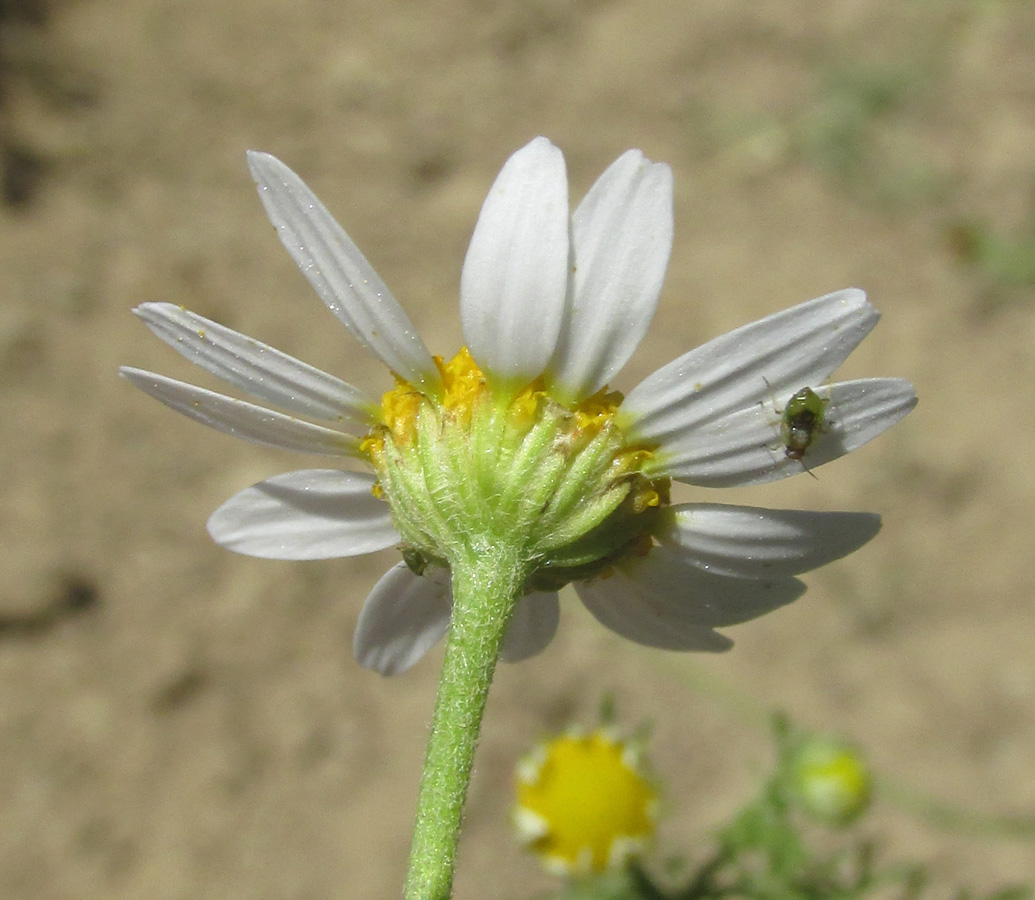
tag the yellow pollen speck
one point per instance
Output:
(593, 807)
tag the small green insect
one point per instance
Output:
(803, 419)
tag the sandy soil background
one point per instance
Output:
(180, 722)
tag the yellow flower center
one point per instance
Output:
(583, 805)
(463, 385)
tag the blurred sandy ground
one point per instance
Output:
(179, 722)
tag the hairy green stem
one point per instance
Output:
(486, 585)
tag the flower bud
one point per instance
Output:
(830, 780)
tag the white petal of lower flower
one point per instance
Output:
(258, 369)
(762, 543)
(778, 354)
(339, 272)
(515, 276)
(531, 627)
(747, 447)
(622, 238)
(402, 619)
(615, 603)
(241, 419)
(310, 514)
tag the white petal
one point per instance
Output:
(310, 514)
(775, 355)
(339, 273)
(622, 238)
(747, 448)
(240, 419)
(259, 369)
(402, 619)
(664, 577)
(762, 543)
(616, 604)
(515, 277)
(860, 410)
(744, 447)
(531, 627)
(663, 601)
(669, 582)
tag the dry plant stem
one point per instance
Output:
(487, 582)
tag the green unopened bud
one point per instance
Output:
(830, 781)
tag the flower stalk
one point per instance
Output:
(487, 582)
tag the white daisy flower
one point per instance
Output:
(517, 440)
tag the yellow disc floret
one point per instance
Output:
(525, 406)
(583, 803)
(463, 385)
(399, 409)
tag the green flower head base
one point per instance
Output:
(476, 466)
(517, 444)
